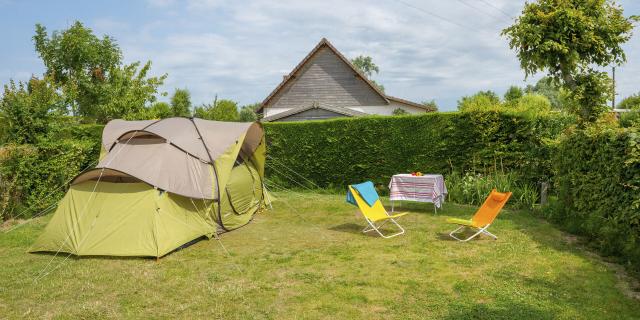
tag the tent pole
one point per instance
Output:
(215, 171)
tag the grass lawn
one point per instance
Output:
(308, 259)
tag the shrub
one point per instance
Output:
(31, 175)
(598, 181)
(399, 112)
(473, 188)
(631, 102)
(532, 103)
(343, 151)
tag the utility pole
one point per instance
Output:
(613, 98)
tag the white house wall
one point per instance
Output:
(387, 110)
(271, 111)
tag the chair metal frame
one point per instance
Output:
(482, 230)
(372, 227)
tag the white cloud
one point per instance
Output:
(241, 49)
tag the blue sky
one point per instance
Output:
(240, 50)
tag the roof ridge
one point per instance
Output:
(323, 42)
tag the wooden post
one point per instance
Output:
(544, 189)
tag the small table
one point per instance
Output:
(425, 188)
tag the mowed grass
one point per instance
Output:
(307, 259)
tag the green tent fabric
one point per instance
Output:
(159, 185)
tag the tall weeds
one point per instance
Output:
(473, 188)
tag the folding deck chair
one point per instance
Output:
(484, 216)
(375, 215)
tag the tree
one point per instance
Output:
(220, 110)
(399, 112)
(181, 103)
(480, 101)
(248, 112)
(513, 93)
(549, 88)
(160, 110)
(631, 102)
(566, 39)
(91, 75)
(483, 100)
(431, 105)
(532, 103)
(29, 110)
(126, 93)
(365, 65)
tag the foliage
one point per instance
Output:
(532, 103)
(513, 93)
(29, 110)
(181, 103)
(334, 153)
(589, 98)
(220, 110)
(248, 112)
(90, 72)
(399, 112)
(481, 101)
(597, 175)
(631, 102)
(126, 93)
(549, 88)
(431, 105)
(32, 177)
(565, 39)
(630, 119)
(473, 188)
(366, 65)
(159, 110)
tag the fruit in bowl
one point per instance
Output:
(416, 174)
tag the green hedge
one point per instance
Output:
(597, 176)
(334, 153)
(33, 176)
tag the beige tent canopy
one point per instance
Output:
(160, 184)
(173, 154)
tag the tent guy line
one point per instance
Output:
(42, 199)
(40, 275)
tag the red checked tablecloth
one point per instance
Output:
(426, 188)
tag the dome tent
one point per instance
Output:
(158, 185)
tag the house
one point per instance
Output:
(326, 85)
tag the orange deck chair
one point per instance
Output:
(484, 216)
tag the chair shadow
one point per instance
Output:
(348, 227)
(444, 237)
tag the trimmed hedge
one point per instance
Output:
(598, 184)
(334, 153)
(33, 176)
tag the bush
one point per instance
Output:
(473, 188)
(334, 153)
(31, 175)
(598, 181)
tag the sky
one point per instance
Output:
(240, 50)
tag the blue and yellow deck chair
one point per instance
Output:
(364, 196)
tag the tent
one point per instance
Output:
(160, 184)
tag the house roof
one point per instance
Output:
(293, 74)
(407, 102)
(315, 105)
(325, 43)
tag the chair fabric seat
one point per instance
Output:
(462, 222)
(393, 216)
